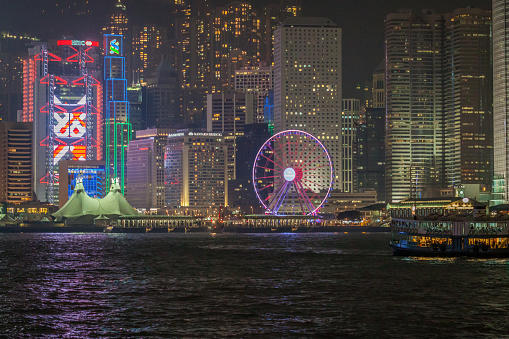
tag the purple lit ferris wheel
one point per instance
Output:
(292, 174)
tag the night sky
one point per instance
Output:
(361, 20)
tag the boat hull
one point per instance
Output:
(477, 252)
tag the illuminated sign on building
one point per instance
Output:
(174, 135)
(69, 121)
(114, 47)
(92, 174)
(87, 43)
(94, 180)
(205, 134)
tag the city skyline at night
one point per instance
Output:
(181, 63)
(254, 168)
(362, 22)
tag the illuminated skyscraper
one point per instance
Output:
(149, 44)
(63, 97)
(272, 17)
(236, 43)
(349, 125)
(145, 187)
(371, 153)
(212, 45)
(194, 39)
(195, 171)
(438, 101)
(117, 127)
(307, 82)
(16, 162)
(256, 80)
(414, 103)
(137, 107)
(118, 24)
(501, 100)
(227, 113)
(12, 52)
(468, 98)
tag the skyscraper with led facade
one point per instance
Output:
(117, 127)
(63, 97)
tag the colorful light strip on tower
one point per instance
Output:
(118, 131)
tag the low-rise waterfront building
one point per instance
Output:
(345, 201)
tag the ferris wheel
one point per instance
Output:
(292, 174)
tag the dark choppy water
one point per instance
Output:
(276, 285)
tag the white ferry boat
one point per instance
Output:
(460, 227)
(456, 236)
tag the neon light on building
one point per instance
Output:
(93, 181)
(87, 43)
(114, 47)
(28, 90)
(118, 130)
(63, 98)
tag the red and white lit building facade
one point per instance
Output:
(63, 96)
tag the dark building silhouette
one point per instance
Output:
(163, 97)
(137, 106)
(371, 152)
(241, 191)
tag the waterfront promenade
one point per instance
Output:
(190, 228)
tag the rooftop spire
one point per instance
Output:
(120, 5)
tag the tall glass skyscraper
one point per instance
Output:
(438, 97)
(414, 102)
(118, 129)
(500, 99)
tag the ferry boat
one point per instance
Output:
(450, 236)
(460, 227)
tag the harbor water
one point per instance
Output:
(243, 285)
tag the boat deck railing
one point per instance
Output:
(454, 227)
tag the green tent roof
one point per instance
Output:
(83, 208)
(6, 219)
